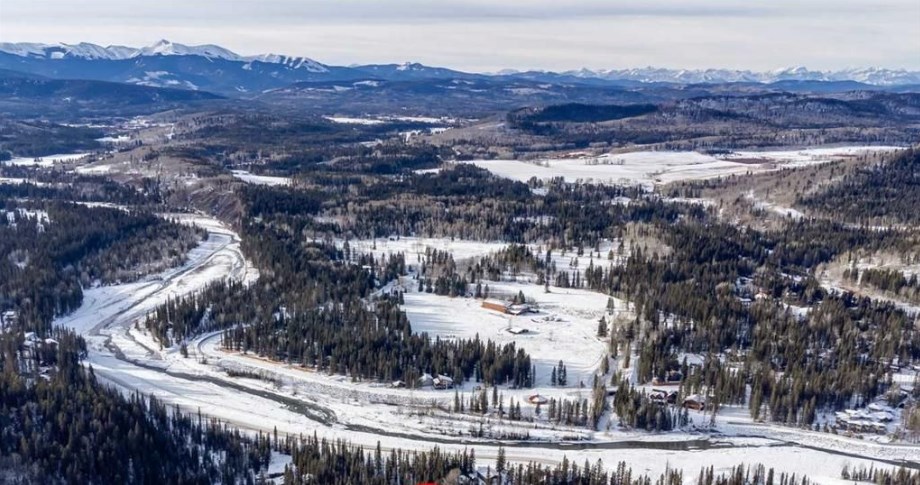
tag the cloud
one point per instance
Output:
(490, 35)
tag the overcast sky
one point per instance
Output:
(488, 35)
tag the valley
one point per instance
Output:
(227, 268)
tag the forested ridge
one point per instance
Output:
(888, 192)
(53, 249)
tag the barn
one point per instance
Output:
(495, 305)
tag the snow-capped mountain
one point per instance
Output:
(215, 68)
(291, 62)
(167, 48)
(85, 50)
(169, 64)
(82, 50)
(874, 76)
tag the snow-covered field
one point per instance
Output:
(354, 121)
(250, 178)
(412, 247)
(651, 168)
(48, 161)
(115, 140)
(94, 169)
(791, 158)
(384, 119)
(17, 181)
(565, 328)
(301, 401)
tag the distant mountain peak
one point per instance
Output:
(165, 47)
(291, 62)
(410, 66)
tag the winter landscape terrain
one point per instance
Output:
(263, 268)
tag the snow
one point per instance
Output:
(869, 75)
(93, 169)
(16, 181)
(423, 171)
(354, 121)
(167, 48)
(422, 119)
(830, 276)
(792, 158)
(415, 246)
(389, 119)
(277, 463)
(114, 139)
(82, 50)
(217, 257)
(645, 168)
(564, 329)
(649, 168)
(291, 62)
(19, 214)
(250, 178)
(24, 49)
(47, 161)
(772, 207)
(301, 401)
(164, 47)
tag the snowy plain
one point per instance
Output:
(650, 168)
(47, 161)
(254, 179)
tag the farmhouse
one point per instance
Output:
(503, 307)
(519, 309)
(517, 330)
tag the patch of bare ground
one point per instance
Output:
(645, 237)
(833, 275)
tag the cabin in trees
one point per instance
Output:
(662, 396)
(439, 382)
(443, 382)
(695, 402)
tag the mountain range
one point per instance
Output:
(220, 70)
